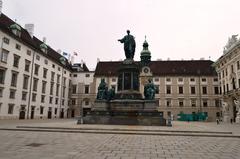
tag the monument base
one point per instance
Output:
(125, 112)
(238, 118)
(125, 118)
(226, 118)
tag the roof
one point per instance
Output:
(163, 68)
(32, 42)
(83, 67)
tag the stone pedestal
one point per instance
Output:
(226, 117)
(238, 118)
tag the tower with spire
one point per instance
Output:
(145, 54)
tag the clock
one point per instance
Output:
(145, 70)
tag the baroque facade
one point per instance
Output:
(228, 69)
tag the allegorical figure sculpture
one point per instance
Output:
(149, 90)
(129, 45)
(111, 94)
(225, 107)
(102, 90)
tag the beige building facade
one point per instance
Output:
(228, 69)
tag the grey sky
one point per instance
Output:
(178, 29)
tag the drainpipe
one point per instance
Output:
(199, 90)
(30, 87)
(61, 87)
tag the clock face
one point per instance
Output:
(145, 70)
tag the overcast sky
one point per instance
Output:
(175, 29)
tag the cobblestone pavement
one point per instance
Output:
(48, 145)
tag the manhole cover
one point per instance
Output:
(35, 144)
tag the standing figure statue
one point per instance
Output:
(102, 90)
(129, 45)
(149, 90)
(225, 107)
(237, 103)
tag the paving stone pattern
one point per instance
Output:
(49, 145)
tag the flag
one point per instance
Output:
(65, 54)
(74, 53)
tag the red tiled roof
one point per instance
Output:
(163, 68)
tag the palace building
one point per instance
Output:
(228, 69)
(38, 82)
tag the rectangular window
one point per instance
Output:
(63, 101)
(37, 57)
(232, 70)
(4, 55)
(44, 83)
(205, 103)
(24, 96)
(1, 91)
(180, 102)
(53, 66)
(52, 76)
(56, 100)
(193, 102)
(192, 79)
(73, 102)
(46, 61)
(215, 80)
(204, 90)
(168, 89)
(14, 79)
(86, 89)
(216, 90)
(10, 108)
(2, 76)
(36, 70)
(168, 102)
(55, 111)
(64, 81)
(29, 52)
(18, 47)
(34, 97)
(58, 78)
(88, 75)
(25, 81)
(41, 110)
(63, 93)
(180, 89)
(87, 102)
(12, 93)
(51, 88)
(204, 80)
(27, 65)
(6, 40)
(57, 89)
(74, 75)
(217, 102)
(238, 65)
(45, 72)
(180, 79)
(74, 89)
(42, 98)
(16, 59)
(168, 79)
(50, 100)
(35, 84)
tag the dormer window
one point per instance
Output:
(44, 47)
(16, 29)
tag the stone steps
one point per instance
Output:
(124, 131)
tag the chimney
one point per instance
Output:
(44, 40)
(30, 29)
(1, 5)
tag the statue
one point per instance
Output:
(231, 41)
(225, 107)
(237, 103)
(129, 45)
(149, 90)
(110, 94)
(102, 90)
